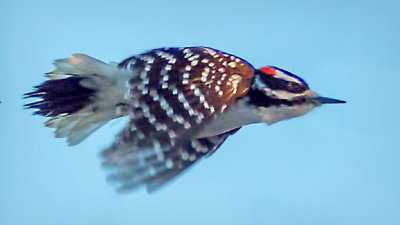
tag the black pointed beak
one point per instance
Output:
(324, 100)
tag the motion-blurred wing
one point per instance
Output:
(131, 168)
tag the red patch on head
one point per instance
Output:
(268, 70)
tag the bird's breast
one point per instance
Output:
(238, 115)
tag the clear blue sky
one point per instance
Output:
(337, 165)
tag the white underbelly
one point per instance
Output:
(236, 116)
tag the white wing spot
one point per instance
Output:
(212, 109)
(165, 77)
(171, 134)
(232, 64)
(224, 106)
(169, 164)
(184, 155)
(205, 60)
(194, 62)
(235, 82)
(187, 55)
(147, 67)
(192, 157)
(223, 76)
(197, 92)
(140, 135)
(194, 57)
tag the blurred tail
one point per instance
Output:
(60, 97)
(82, 95)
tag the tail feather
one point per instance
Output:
(60, 96)
(80, 96)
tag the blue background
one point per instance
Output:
(337, 165)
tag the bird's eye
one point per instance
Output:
(295, 88)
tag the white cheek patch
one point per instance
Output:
(280, 94)
(284, 95)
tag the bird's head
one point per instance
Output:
(281, 95)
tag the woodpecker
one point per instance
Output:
(182, 104)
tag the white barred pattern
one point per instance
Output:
(174, 92)
(150, 166)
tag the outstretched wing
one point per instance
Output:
(173, 94)
(131, 168)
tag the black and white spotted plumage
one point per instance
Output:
(174, 93)
(182, 104)
(131, 167)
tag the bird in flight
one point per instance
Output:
(182, 104)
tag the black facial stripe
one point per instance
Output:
(260, 99)
(275, 83)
